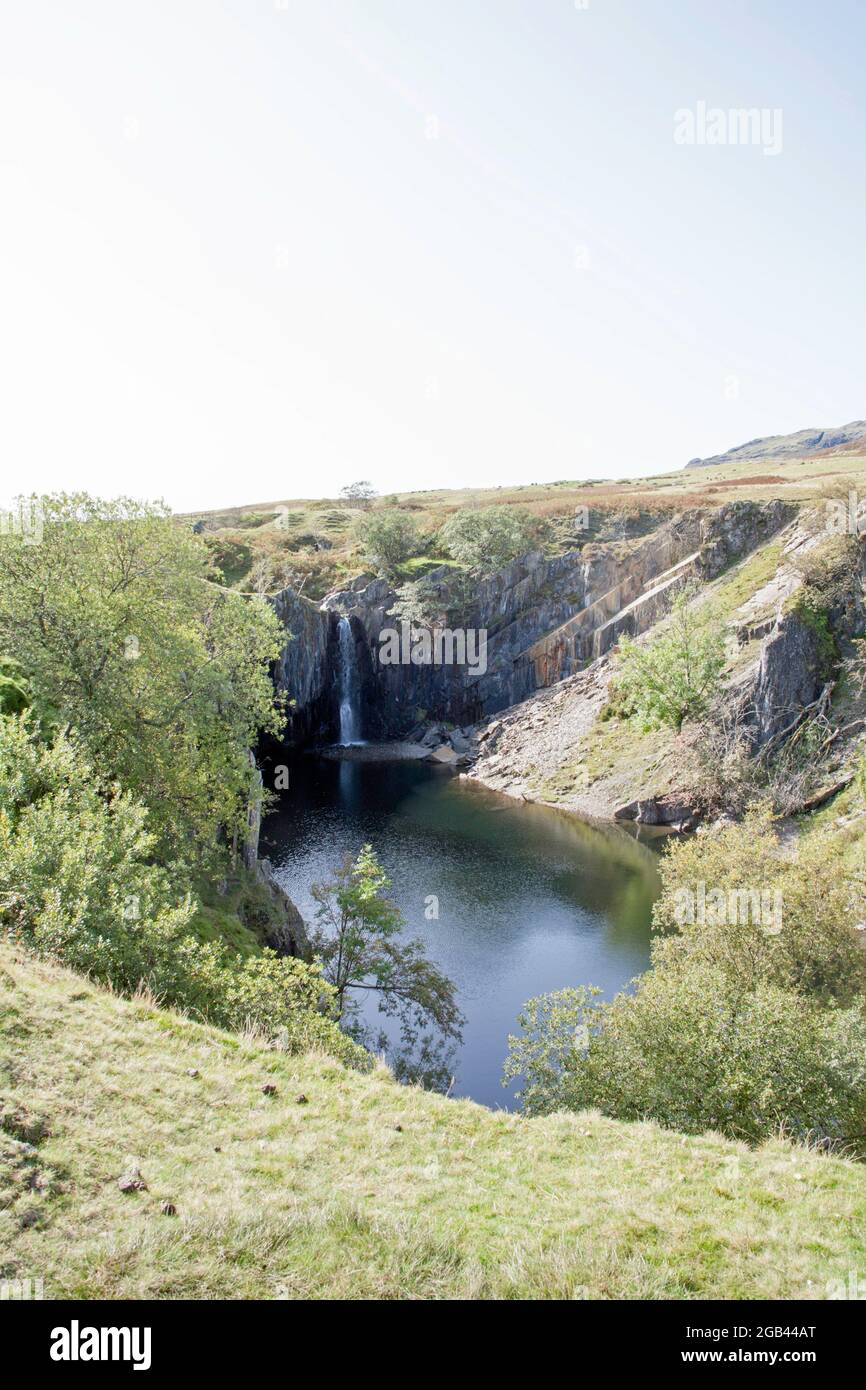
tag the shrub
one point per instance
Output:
(674, 676)
(815, 951)
(695, 1051)
(418, 602)
(78, 885)
(746, 1024)
(387, 538)
(487, 538)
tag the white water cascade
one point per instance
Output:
(350, 686)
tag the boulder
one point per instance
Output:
(459, 742)
(443, 754)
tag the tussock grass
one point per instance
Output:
(368, 1190)
(245, 534)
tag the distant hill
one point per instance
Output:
(776, 448)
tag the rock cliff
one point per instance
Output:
(305, 669)
(544, 619)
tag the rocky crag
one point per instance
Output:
(556, 748)
(544, 618)
(529, 724)
(779, 448)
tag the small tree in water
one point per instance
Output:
(359, 940)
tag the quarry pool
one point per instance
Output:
(529, 899)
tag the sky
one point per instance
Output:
(257, 249)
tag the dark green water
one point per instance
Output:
(530, 899)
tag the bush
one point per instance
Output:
(731, 775)
(489, 537)
(813, 948)
(387, 538)
(672, 677)
(749, 1022)
(695, 1051)
(78, 885)
(418, 602)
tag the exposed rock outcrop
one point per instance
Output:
(781, 655)
(788, 677)
(737, 528)
(305, 669)
(780, 447)
(544, 617)
(288, 936)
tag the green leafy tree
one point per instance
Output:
(803, 938)
(387, 538)
(79, 885)
(417, 602)
(359, 941)
(117, 626)
(751, 1019)
(673, 677)
(486, 538)
(694, 1051)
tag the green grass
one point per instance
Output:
(368, 1190)
(240, 916)
(745, 578)
(419, 565)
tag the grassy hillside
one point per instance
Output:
(317, 534)
(365, 1189)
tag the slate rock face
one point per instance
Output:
(521, 603)
(288, 936)
(305, 669)
(737, 528)
(519, 607)
(788, 677)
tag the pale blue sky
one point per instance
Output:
(236, 267)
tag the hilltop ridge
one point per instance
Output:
(774, 448)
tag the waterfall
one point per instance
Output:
(350, 686)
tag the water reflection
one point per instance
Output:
(529, 898)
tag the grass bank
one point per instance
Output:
(365, 1189)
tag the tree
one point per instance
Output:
(360, 944)
(764, 916)
(79, 885)
(388, 538)
(486, 538)
(672, 677)
(696, 1051)
(751, 1019)
(121, 633)
(418, 602)
(358, 494)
